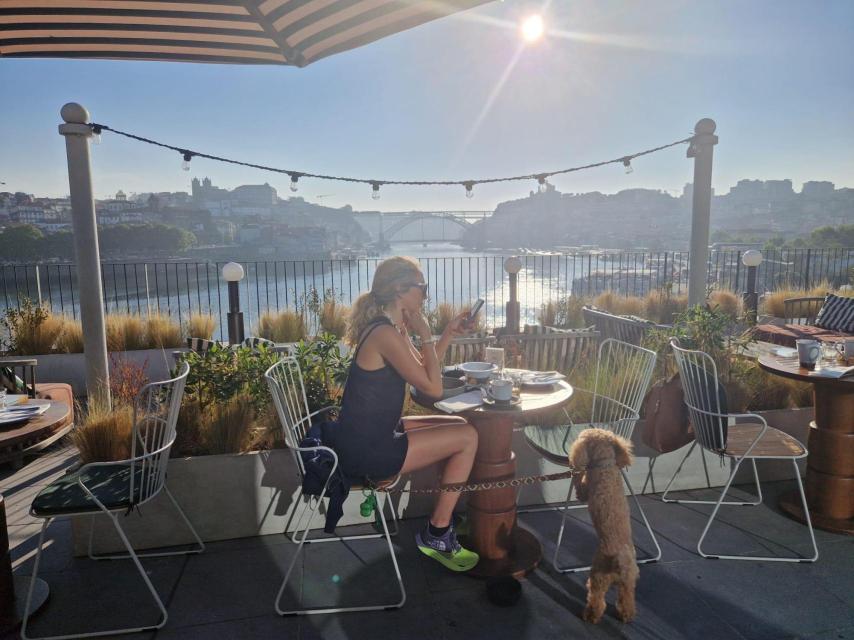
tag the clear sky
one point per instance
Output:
(461, 98)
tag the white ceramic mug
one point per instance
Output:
(500, 390)
(809, 352)
(845, 347)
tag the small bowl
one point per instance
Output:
(478, 370)
(503, 591)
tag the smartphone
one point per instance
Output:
(474, 310)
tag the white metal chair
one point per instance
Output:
(747, 441)
(623, 373)
(115, 488)
(288, 390)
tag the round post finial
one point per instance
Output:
(74, 113)
(706, 125)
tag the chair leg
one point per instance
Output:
(133, 556)
(564, 512)
(732, 503)
(302, 541)
(200, 546)
(657, 555)
(759, 558)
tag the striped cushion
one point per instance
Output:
(200, 345)
(836, 314)
(253, 342)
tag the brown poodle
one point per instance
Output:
(598, 454)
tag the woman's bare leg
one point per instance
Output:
(455, 442)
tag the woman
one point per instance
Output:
(372, 439)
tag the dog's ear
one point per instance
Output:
(622, 452)
(578, 456)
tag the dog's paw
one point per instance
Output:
(591, 615)
(625, 614)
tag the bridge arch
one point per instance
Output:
(398, 226)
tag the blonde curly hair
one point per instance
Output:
(389, 276)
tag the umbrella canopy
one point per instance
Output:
(287, 32)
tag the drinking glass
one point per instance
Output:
(828, 353)
(2, 399)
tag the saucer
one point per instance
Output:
(501, 404)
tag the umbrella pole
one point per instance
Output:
(87, 256)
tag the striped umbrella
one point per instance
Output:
(286, 32)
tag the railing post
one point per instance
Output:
(77, 133)
(807, 270)
(702, 150)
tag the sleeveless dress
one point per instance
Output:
(367, 438)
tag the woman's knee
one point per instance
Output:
(468, 435)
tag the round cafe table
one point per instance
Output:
(504, 547)
(829, 482)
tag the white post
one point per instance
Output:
(701, 149)
(87, 256)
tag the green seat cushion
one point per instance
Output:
(110, 484)
(552, 442)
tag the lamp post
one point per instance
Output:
(751, 259)
(233, 273)
(511, 310)
(701, 149)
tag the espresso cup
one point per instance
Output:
(809, 351)
(500, 390)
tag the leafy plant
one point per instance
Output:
(324, 370)
(32, 329)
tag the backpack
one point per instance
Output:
(667, 426)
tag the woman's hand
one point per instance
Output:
(417, 323)
(458, 326)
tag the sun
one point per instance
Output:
(532, 28)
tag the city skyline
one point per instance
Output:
(489, 107)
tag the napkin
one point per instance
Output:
(462, 402)
(542, 376)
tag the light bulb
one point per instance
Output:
(375, 191)
(96, 134)
(542, 185)
(294, 180)
(627, 163)
(469, 190)
(185, 165)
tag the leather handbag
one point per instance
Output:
(667, 426)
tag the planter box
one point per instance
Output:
(243, 495)
(70, 368)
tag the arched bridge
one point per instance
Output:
(461, 219)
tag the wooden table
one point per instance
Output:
(20, 438)
(830, 465)
(504, 547)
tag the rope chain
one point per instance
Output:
(463, 487)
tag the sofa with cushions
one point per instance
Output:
(833, 321)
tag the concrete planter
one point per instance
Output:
(243, 495)
(70, 368)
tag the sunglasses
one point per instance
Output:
(421, 285)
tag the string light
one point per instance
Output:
(96, 134)
(541, 178)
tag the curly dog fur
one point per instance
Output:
(601, 487)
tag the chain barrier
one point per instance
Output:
(463, 487)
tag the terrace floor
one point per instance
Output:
(228, 591)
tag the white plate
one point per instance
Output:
(22, 412)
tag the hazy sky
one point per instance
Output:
(462, 98)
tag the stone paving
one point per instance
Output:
(228, 591)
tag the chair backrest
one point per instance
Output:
(703, 395)
(155, 415)
(802, 310)
(623, 375)
(549, 349)
(623, 328)
(286, 385)
(468, 349)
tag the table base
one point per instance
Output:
(524, 557)
(791, 503)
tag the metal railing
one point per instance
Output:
(179, 289)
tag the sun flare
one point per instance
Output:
(532, 28)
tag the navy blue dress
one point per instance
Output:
(368, 439)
